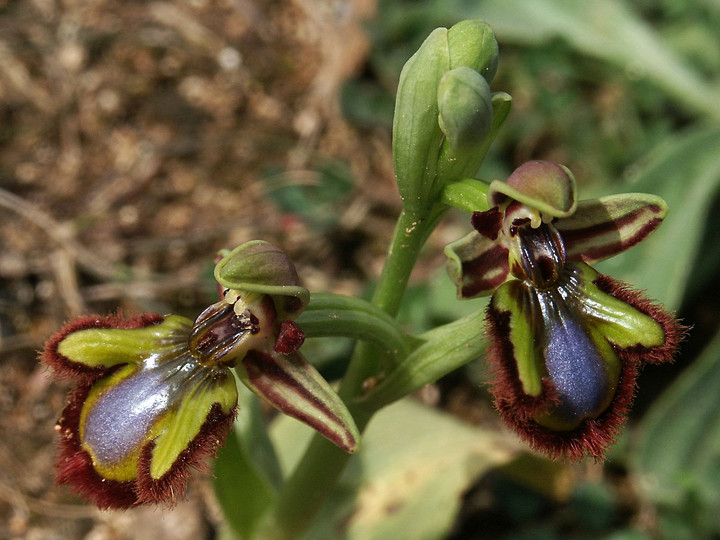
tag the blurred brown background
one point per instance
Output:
(136, 139)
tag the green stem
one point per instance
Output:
(319, 469)
(410, 234)
(408, 238)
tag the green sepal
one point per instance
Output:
(183, 424)
(543, 185)
(604, 227)
(512, 299)
(293, 386)
(106, 347)
(259, 267)
(622, 324)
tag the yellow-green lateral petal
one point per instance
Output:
(183, 424)
(512, 298)
(622, 324)
(106, 347)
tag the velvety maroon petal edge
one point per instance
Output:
(594, 436)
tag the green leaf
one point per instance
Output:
(606, 29)
(252, 434)
(246, 471)
(445, 349)
(685, 171)
(330, 315)
(393, 489)
(677, 455)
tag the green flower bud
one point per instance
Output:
(426, 101)
(465, 106)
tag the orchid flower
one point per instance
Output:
(566, 342)
(155, 395)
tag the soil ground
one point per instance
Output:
(136, 139)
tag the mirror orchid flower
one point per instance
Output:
(566, 342)
(155, 395)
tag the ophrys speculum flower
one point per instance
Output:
(155, 395)
(566, 341)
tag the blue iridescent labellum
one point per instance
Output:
(574, 366)
(566, 341)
